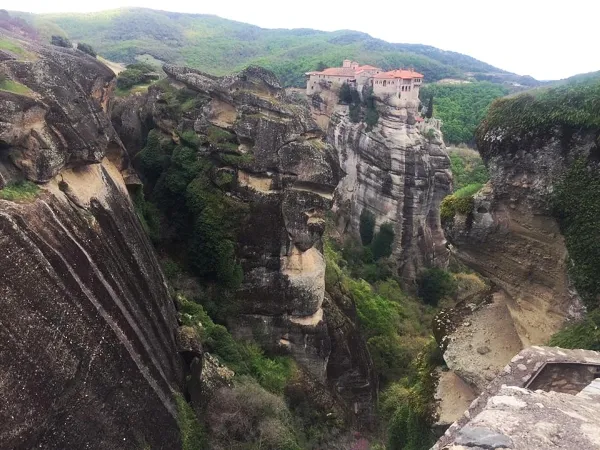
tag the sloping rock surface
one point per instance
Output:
(88, 356)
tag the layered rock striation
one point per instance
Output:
(511, 234)
(400, 172)
(89, 356)
(284, 177)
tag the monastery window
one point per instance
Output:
(384, 82)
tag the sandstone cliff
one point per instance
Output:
(284, 177)
(399, 171)
(511, 235)
(89, 358)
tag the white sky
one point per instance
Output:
(546, 39)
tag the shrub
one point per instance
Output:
(354, 113)
(248, 414)
(577, 208)
(452, 205)
(537, 112)
(467, 168)
(61, 41)
(366, 226)
(191, 430)
(434, 284)
(345, 94)
(468, 191)
(20, 191)
(383, 240)
(134, 74)
(377, 315)
(584, 334)
(152, 160)
(86, 48)
(244, 358)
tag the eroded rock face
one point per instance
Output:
(286, 178)
(61, 121)
(524, 409)
(399, 175)
(512, 238)
(89, 356)
(287, 181)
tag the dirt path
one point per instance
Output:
(484, 344)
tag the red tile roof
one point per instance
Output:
(401, 73)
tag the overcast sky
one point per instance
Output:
(546, 39)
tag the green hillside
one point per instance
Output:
(220, 46)
(461, 106)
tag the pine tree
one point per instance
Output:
(429, 113)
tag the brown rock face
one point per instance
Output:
(61, 121)
(512, 238)
(88, 356)
(400, 176)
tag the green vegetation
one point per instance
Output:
(434, 284)
(467, 168)
(16, 48)
(584, 334)
(221, 46)
(248, 417)
(61, 41)
(461, 107)
(86, 48)
(397, 328)
(573, 106)
(134, 74)
(382, 242)
(366, 226)
(363, 110)
(192, 431)
(461, 202)
(6, 84)
(468, 191)
(577, 208)
(22, 191)
(243, 358)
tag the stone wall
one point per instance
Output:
(527, 407)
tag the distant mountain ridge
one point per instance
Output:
(221, 46)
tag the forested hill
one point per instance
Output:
(221, 46)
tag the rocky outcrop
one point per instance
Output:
(544, 398)
(400, 172)
(511, 237)
(284, 179)
(59, 120)
(89, 356)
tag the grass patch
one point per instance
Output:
(584, 334)
(16, 49)
(22, 191)
(138, 89)
(468, 191)
(14, 86)
(192, 431)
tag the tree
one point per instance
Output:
(434, 284)
(345, 95)
(382, 242)
(366, 226)
(429, 113)
(86, 48)
(321, 66)
(61, 41)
